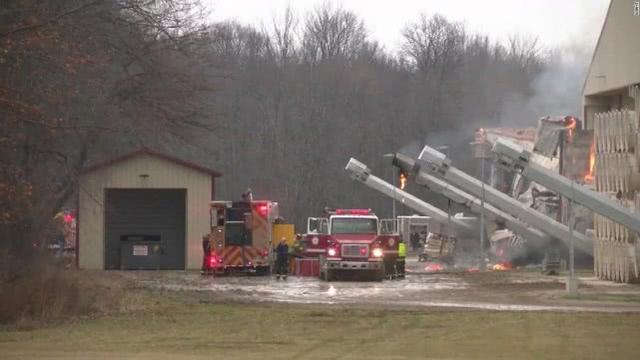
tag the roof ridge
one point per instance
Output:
(147, 150)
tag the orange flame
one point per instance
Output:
(570, 125)
(589, 178)
(403, 181)
(502, 266)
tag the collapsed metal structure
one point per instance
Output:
(516, 158)
(607, 205)
(473, 203)
(435, 163)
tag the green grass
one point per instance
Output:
(237, 331)
(601, 297)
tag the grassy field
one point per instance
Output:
(238, 331)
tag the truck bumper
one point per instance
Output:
(354, 265)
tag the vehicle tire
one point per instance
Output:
(330, 275)
(263, 271)
(323, 265)
(379, 275)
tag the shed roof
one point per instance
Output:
(154, 153)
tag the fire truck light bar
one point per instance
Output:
(353, 212)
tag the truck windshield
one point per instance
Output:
(354, 226)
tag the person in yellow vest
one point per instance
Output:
(400, 262)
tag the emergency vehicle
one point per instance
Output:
(241, 237)
(354, 241)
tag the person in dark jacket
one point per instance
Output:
(415, 241)
(282, 259)
(206, 253)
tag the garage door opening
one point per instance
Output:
(145, 229)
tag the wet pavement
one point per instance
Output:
(309, 289)
(461, 291)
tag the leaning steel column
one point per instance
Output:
(435, 163)
(359, 171)
(494, 214)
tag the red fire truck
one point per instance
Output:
(240, 236)
(354, 241)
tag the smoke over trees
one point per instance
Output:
(278, 109)
(306, 94)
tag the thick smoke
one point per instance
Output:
(411, 149)
(556, 90)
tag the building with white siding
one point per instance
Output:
(612, 109)
(615, 64)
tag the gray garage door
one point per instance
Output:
(145, 229)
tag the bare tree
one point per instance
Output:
(282, 37)
(330, 32)
(80, 79)
(433, 42)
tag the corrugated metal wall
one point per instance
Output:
(617, 170)
(145, 172)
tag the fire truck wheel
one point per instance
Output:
(263, 271)
(330, 275)
(378, 275)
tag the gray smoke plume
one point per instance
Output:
(557, 90)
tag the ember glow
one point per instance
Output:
(592, 163)
(570, 125)
(403, 180)
(502, 266)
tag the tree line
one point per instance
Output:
(279, 109)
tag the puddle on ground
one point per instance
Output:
(309, 290)
(415, 290)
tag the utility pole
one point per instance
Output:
(483, 265)
(481, 150)
(572, 281)
(447, 152)
(393, 206)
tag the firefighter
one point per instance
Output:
(282, 259)
(400, 262)
(247, 195)
(299, 245)
(206, 250)
(415, 240)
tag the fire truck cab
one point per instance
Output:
(354, 241)
(240, 236)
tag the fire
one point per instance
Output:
(433, 266)
(570, 125)
(403, 180)
(592, 164)
(502, 266)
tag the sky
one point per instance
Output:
(555, 23)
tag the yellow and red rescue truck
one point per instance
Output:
(241, 237)
(354, 241)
